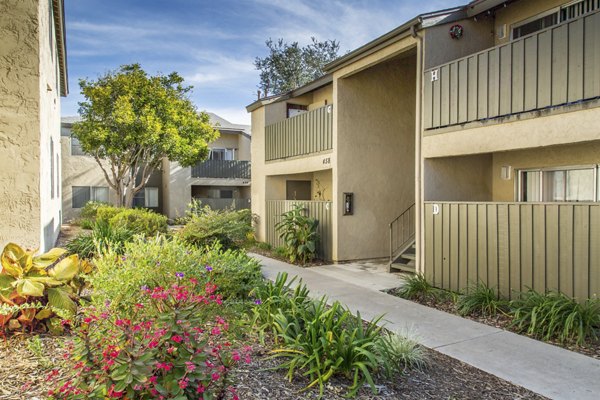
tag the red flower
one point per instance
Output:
(177, 338)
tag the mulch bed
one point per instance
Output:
(23, 375)
(444, 378)
(501, 321)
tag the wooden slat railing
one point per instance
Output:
(556, 66)
(226, 169)
(514, 246)
(307, 133)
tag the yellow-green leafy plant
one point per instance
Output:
(43, 280)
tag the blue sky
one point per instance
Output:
(212, 44)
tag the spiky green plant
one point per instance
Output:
(556, 316)
(400, 353)
(417, 287)
(480, 299)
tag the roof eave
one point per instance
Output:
(58, 9)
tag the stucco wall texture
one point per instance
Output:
(29, 111)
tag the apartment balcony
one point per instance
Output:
(222, 169)
(554, 67)
(304, 134)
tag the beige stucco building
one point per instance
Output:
(33, 77)
(221, 181)
(467, 139)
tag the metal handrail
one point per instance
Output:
(402, 231)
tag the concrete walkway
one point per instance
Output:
(542, 368)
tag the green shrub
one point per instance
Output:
(556, 316)
(417, 287)
(321, 341)
(480, 299)
(299, 233)
(90, 209)
(176, 355)
(102, 238)
(105, 213)
(400, 353)
(230, 228)
(264, 246)
(156, 261)
(274, 297)
(140, 221)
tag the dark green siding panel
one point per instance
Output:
(575, 85)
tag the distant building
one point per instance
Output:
(33, 77)
(222, 181)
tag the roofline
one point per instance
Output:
(385, 40)
(476, 7)
(309, 87)
(58, 11)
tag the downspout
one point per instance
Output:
(418, 158)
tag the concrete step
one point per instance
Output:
(409, 256)
(402, 267)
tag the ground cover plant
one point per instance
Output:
(319, 341)
(556, 316)
(551, 316)
(480, 299)
(166, 349)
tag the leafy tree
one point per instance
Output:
(289, 66)
(131, 121)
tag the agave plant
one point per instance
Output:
(45, 278)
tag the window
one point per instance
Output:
(82, 194)
(298, 190)
(553, 17)
(76, 147)
(553, 185)
(147, 197)
(295, 109)
(51, 168)
(222, 154)
(226, 194)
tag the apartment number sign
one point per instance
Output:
(327, 160)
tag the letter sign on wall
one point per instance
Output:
(436, 209)
(434, 75)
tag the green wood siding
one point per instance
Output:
(307, 133)
(514, 246)
(319, 210)
(553, 67)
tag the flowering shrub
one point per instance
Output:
(176, 355)
(155, 261)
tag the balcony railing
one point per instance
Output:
(224, 169)
(553, 67)
(307, 133)
(514, 246)
(225, 204)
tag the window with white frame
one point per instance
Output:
(147, 197)
(82, 194)
(222, 154)
(554, 16)
(578, 183)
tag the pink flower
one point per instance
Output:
(190, 366)
(215, 376)
(177, 338)
(235, 356)
(201, 388)
(215, 331)
(183, 383)
(153, 344)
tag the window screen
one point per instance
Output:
(81, 195)
(151, 197)
(76, 147)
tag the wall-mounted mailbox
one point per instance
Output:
(348, 203)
